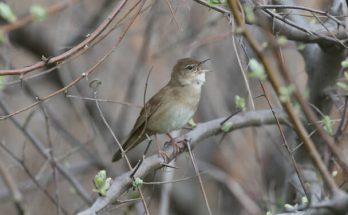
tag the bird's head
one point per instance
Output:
(188, 71)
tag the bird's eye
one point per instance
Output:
(190, 67)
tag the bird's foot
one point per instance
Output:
(176, 147)
(164, 155)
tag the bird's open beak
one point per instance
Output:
(204, 71)
(203, 61)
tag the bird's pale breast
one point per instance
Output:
(177, 109)
(171, 118)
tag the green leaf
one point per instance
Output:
(226, 127)
(264, 45)
(191, 123)
(289, 208)
(345, 75)
(7, 13)
(137, 182)
(102, 183)
(256, 70)
(343, 86)
(282, 40)
(269, 213)
(99, 179)
(285, 93)
(344, 63)
(249, 15)
(334, 173)
(304, 200)
(216, 2)
(301, 46)
(239, 102)
(327, 125)
(38, 12)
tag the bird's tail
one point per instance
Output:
(132, 140)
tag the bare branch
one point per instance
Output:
(201, 132)
(82, 46)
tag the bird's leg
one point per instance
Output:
(161, 153)
(175, 145)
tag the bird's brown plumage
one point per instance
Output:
(169, 109)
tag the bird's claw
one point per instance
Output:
(164, 155)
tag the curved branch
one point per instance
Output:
(52, 9)
(276, 84)
(79, 78)
(292, 29)
(83, 45)
(199, 133)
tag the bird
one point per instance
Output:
(171, 107)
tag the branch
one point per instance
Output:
(293, 30)
(199, 133)
(52, 9)
(41, 148)
(276, 84)
(82, 46)
(79, 78)
(12, 186)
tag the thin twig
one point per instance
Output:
(173, 15)
(198, 176)
(199, 133)
(40, 147)
(53, 162)
(244, 73)
(298, 126)
(218, 9)
(104, 100)
(11, 184)
(324, 13)
(31, 176)
(172, 181)
(78, 79)
(24, 21)
(83, 45)
(287, 147)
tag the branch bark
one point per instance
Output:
(202, 131)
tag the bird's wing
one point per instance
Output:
(139, 131)
(145, 114)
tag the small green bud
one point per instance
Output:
(334, 173)
(102, 183)
(239, 102)
(289, 208)
(137, 182)
(191, 123)
(327, 125)
(256, 70)
(282, 40)
(304, 200)
(249, 15)
(285, 93)
(38, 12)
(301, 46)
(344, 63)
(216, 2)
(226, 127)
(7, 13)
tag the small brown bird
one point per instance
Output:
(171, 107)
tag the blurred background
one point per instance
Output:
(70, 128)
